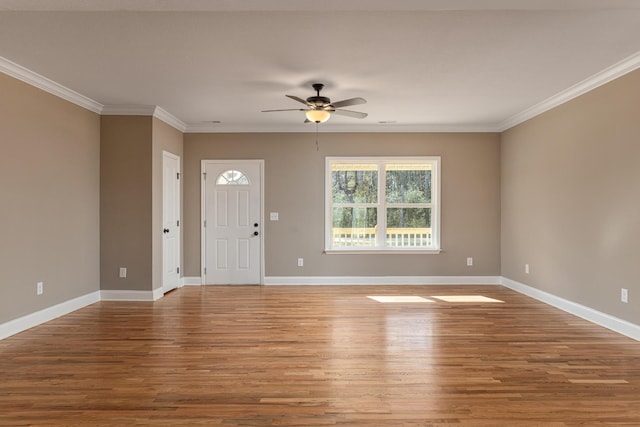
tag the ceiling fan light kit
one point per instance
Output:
(319, 108)
(318, 116)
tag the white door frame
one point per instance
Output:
(166, 154)
(203, 165)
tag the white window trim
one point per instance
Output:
(381, 161)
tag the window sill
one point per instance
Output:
(383, 251)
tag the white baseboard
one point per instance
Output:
(615, 324)
(620, 326)
(112, 295)
(191, 281)
(39, 317)
(382, 280)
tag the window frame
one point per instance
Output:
(233, 181)
(382, 205)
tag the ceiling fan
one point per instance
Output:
(319, 108)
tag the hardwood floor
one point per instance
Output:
(320, 356)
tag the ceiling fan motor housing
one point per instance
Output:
(318, 101)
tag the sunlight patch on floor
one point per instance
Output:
(465, 298)
(398, 298)
(443, 298)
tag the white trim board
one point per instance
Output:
(191, 281)
(203, 208)
(144, 110)
(41, 82)
(615, 324)
(36, 80)
(382, 280)
(111, 295)
(601, 78)
(23, 323)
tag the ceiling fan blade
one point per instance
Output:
(295, 98)
(347, 102)
(288, 109)
(349, 113)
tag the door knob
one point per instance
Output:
(255, 233)
(165, 231)
(255, 224)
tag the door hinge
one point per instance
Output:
(205, 223)
(204, 175)
(178, 175)
(178, 223)
(178, 270)
(205, 270)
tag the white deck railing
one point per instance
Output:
(396, 237)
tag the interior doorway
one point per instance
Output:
(170, 221)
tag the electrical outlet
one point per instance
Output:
(526, 268)
(469, 261)
(39, 288)
(123, 272)
(300, 262)
(624, 295)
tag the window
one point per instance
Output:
(382, 204)
(232, 177)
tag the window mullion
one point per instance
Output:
(382, 209)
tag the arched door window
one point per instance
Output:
(232, 177)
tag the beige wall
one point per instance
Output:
(570, 199)
(294, 187)
(165, 138)
(49, 182)
(125, 202)
(82, 197)
(131, 196)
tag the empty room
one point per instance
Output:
(349, 213)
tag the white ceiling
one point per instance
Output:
(423, 65)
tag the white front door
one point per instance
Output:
(232, 227)
(170, 221)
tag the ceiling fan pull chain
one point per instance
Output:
(317, 145)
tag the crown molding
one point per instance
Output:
(170, 119)
(302, 6)
(128, 110)
(34, 79)
(144, 110)
(328, 128)
(605, 76)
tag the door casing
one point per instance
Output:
(169, 283)
(230, 164)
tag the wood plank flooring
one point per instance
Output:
(320, 356)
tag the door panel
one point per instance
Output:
(244, 256)
(232, 208)
(222, 255)
(243, 208)
(170, 221)
(222, 219)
